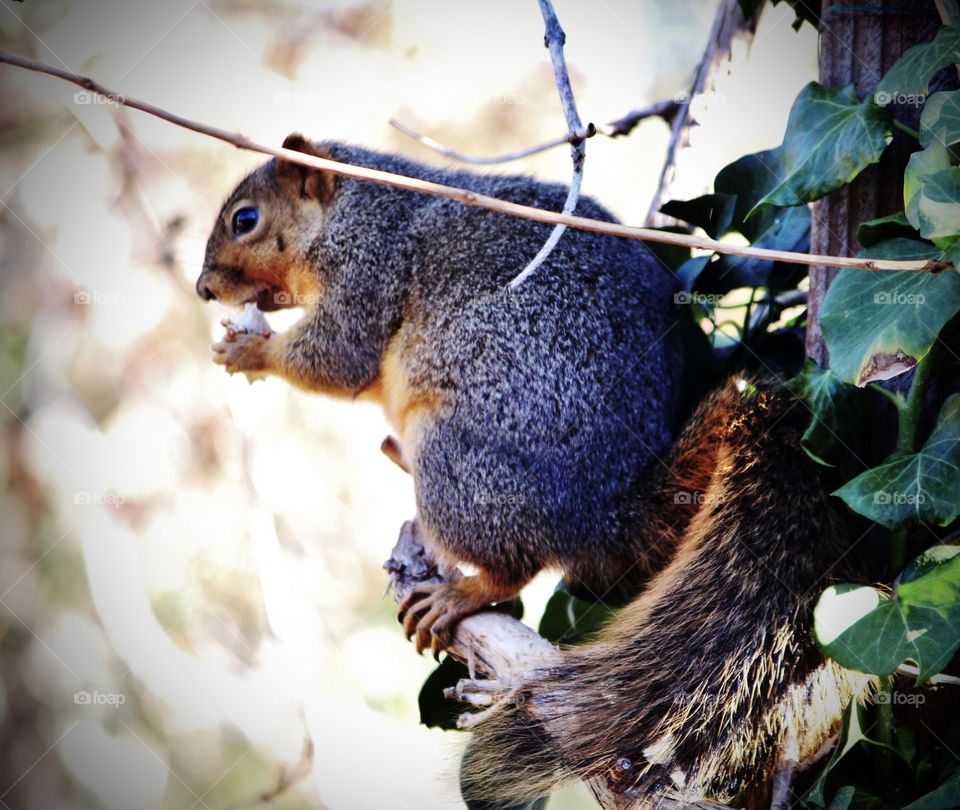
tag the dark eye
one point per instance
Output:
(244, 220)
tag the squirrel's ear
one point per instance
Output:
(302, 180)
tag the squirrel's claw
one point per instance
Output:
(430, 613)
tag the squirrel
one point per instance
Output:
(538, 425)
(530, 419)
(709, 684)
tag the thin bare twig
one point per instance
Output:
(613, 129)
(554, 39)
(728, 22)
(470, 197)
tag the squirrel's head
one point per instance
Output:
(258, 250)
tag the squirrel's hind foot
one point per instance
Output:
(431, 612)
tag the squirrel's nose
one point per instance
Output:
(204, 291)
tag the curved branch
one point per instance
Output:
(613, 129)
(472, 198)
(554, 38)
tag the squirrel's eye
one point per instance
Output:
(244, 220)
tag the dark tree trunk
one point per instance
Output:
(858, 44)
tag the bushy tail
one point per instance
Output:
(700, 686)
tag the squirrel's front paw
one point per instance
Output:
(244, 351)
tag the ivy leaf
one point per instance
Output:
(831, 137)
(940, 119)
(569, 620)
(938, 204)
(931, 160)
(891, 226)
(911, 74)
(711, 212)
(865, 631)
(835, 406)
(902, 249)
(671, 256)
(437, 711)
(950, 247)
(748, 179)
(688, 273)
(878, 324)
(922, 487)
(945, 797)
(851, 733)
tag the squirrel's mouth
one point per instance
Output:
(271, 299)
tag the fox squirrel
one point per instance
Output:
(535, 423)
(528, 418)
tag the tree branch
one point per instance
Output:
(613, 129)
(554, 39)
(470, 197)
(500, 647)
(728, 22)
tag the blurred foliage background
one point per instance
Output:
(191, 593)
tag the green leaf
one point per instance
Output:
(805, 10)
(688, 273)
(931, 160)
(842, 798)
(878, 324)
(950, 247)
(831, 137)
(436, 711)
(851, 733)
(835, 406)
(748, 179)
(569, 620)
(940, 119)
(711, 212)
(922, 487)
(910, 77)
(670, 256)
(945, 797)
(865, 631)
(938, 204)
(902, 249)
(750, 8)
(882, 228)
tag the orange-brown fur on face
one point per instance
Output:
(272, 266)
